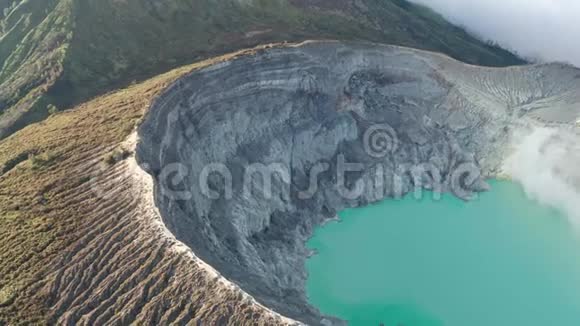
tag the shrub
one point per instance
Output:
(51, 109)
(40, 161)
(117, 156)
(13, 162)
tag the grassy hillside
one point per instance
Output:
(34, 39)
(57, 53)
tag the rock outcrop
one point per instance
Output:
(250, 155)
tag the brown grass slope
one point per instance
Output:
(71, 256)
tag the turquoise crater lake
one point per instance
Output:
(501, 259)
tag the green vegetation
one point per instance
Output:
(34, 38)
(51, 109)
(63, 52)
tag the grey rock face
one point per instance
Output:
(391, 119)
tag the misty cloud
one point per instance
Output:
(545, 162)
(543, 29)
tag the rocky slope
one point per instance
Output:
(57, 53)
(251, 154)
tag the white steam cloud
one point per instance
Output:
(542, 29)
(546, 162)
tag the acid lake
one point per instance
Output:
(501, 259)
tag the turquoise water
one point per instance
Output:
(499, 260)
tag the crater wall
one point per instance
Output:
(250, 155)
